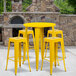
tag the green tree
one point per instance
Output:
(64, 7)
(26, 3)
(1, 6)
(62, 4)
(73, 4)
(8, 6)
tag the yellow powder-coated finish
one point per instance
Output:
(29, 32)
(56, 33)
(17, 51)
(39, 33)
(53, 41)
(39, 24)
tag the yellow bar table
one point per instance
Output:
(39, 30)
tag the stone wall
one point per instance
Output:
(17, 6)
(1, 19)
(43, 6)
(7, 27)
(67, 23)
(6, 34)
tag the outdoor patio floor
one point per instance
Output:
(24, 70)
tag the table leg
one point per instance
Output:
(43, 55)
(42, 36)
(37, 31)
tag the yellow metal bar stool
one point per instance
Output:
(53, 41)
(22, 32)
(56, 33)
(17, 51)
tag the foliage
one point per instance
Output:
(1, 6)
(8, 6)
(26, 3)
(64, 7)
(73, 4)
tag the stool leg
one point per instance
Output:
(63, 54)
(46, 49)
(16, 53)
(46, 46)
(20, 54)
(43, 55)
(27, 48)
(24, 52)
(57, 50)
(33, 40)
(8, 54)
(63, 44)
(51, 56)
(47, 34)
(19, 34)
(24, 49)
(64, 50)
(57, 53)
